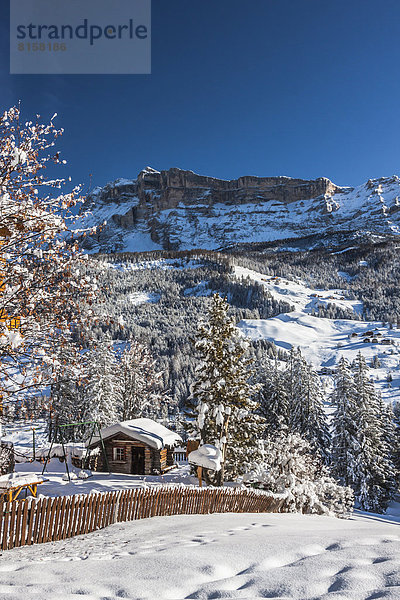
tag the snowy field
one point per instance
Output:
(300, 296)
(160, 264)
(143, 298)
(290, 557)
(99, 482)
(324, 341)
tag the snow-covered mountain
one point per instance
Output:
(323, 341)
(177, 210)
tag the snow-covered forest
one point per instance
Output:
(279, 369)
(160, 299)
(139, 357)
(199, 300)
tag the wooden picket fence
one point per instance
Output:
(26, 522)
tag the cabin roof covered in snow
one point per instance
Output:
(143, 430)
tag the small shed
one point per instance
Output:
(137, 447)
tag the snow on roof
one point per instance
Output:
(144, 430)
(207, 456)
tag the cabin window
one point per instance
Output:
(119, 454)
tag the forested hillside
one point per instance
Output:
(160, 297)
(160, 301)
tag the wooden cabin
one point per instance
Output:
(136, 447)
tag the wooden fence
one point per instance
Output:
(26, 522)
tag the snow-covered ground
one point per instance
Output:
(296, 557)
(20, 433)
(144, 297)
(140, 241)
(285, 556)
(23, 434)
(300, 296)
(324, 341)
(162, 264)
(99, 482)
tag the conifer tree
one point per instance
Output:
(345, 444)
(396, 423)
(272, 396)
(102, 402)
(291, 466)
(307, 415)
(222, 395)
(137, 382)
(374, 469)
(390, 447)
(67, 391)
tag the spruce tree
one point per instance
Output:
(345, 444)
(291, 466)
(374, 469)
(396, 441)
(102, 402)
(272, 396)
(222, 395)
(306, 409)
(67, 392)
(137, 382)
(389, 447)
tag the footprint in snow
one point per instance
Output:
(7, 568)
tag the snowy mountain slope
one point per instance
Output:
(141, 297)
(162, 264)
(178, 209)
(324, 341)
(298, 294)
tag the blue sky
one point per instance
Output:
(305, 88)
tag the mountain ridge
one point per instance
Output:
(178, 209)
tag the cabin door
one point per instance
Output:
(137, 461)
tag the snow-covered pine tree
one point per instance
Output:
(306, 409)
(345, 444)
(290, 466)
(7, 461)
(396, 422)
(374, 470)
(67, 391)
(272, 396)
(137, 382)
(389, 435)
(102, 402)
(222, 395)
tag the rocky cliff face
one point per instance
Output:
(178, 209)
